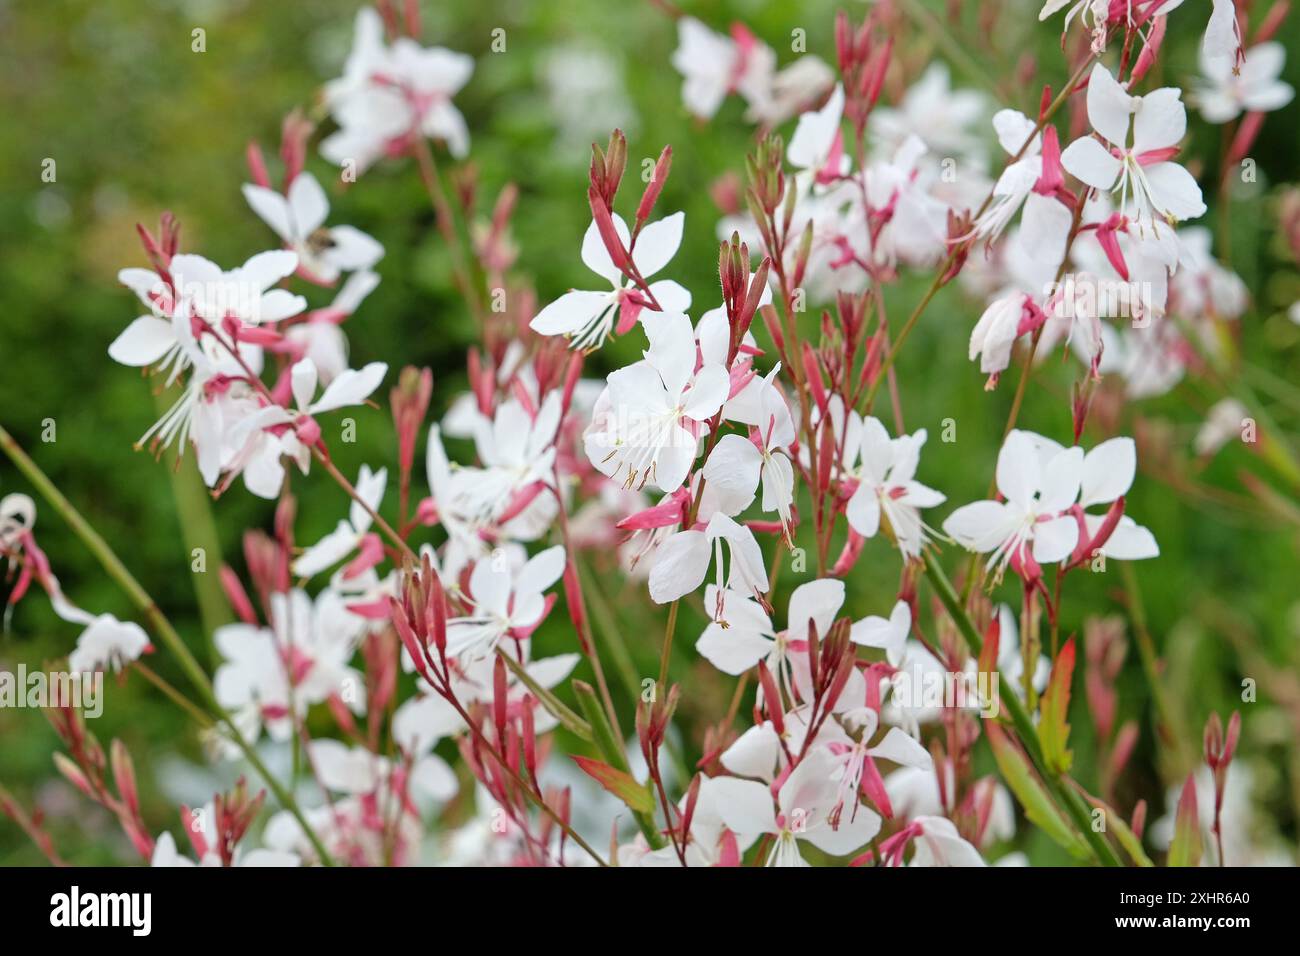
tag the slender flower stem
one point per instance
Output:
(332, 470)
(447, 225)
(157, 621)
(172, 694)
(1063, 788)
(1150, 663)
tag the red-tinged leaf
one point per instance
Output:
(1185, 850)
(1053, 731)
(620, 784)
(1029, 791)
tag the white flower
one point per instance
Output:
(647, 422)
(933, 111)
(714, 65)
(587, 318)
(1096, 15)
(1256, 87)
(200, 289)
(388, 95)
(320, 338)
(517, 451)
(503, 603)
(742, 635)
(17, 514)
(299, 219)
(1030, 518)
(1221, 46)
(1224, 422)
(937, 843)
(705, 843)
(683, 560)
(301, 659)
(817, 143)
(352, 387)
(165, 853)
(1016, 133)
(888, 634)
(1140, 167)
(1108, 471)
(885, 470)
(108, 643)
(1202, 286)
(805, 804)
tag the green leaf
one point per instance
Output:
(1039, 808)
(558, 710)
(620, 784)
(1127, 838)
(1053, 731)
(1185, 850)
(603, 735)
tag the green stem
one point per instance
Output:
(1151, 664)
(199, 531)
(157, 621)
(1063, 788)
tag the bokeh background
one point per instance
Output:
(138, 123)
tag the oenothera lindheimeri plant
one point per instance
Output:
(762, 427)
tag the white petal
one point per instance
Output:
(707, 393)
(308, 203)
(143, 342)
(680, 566)
(863, 511)
(733, 467)
(1061, 481)
(754, 753)
(1161, 120)
(1108, 471)
(541, 571)
(1174, 191)
(351, 388)
(1018, 473)
(570, 312)
(302, 379)
(271, 207)
(1090, 162)
(980, 526)
(732, 650)
(1109, 106)
(817, 601)
(745, 806)
(326, 552)
(1055, 539)
(657, 244)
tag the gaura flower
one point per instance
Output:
(646, 424)
(298, 217)
(503, 603)
(1139, 138)
(805, 804)
(587, 318)
(1029, 522)
(1226, 90)
(887, 490)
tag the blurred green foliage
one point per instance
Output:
(137, 123)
